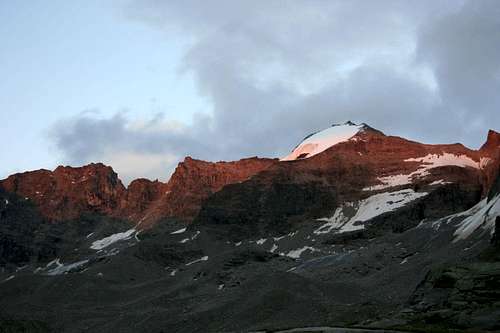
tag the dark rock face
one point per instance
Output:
(26, 236)
(495, 188)
(19, 220)
(461, 296)
(254, 208)
(496, 236)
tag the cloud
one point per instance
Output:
(463, 50)
(134, 148)
(276, 71)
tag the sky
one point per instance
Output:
(140, 84)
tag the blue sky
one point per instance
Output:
(59, 58)
(140, 84)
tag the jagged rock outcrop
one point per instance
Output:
(194, 181)
(140, 194)
(67, 192)
(491, 153)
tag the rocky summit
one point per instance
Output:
(352, 231)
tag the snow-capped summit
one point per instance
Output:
(322, 140)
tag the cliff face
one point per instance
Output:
(67, 192)
(194, 181)
(491, 152)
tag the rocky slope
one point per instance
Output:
(362, 230)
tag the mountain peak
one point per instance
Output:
(493, 140)
(318, 142)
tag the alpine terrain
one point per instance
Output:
(354, 229)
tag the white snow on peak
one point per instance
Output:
(321, 141)
(107, 241)
(367, 209)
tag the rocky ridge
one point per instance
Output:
(68, 192)
(350, 170)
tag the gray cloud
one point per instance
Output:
(463, 49)
(275, 71)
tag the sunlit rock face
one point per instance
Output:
(345, 164)
(67, 192)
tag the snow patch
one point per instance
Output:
(445, 159)
(197, 233)
(62, 269)
(180, 231)
(261, 241)
(484, 161)
(107, 241)
(298, 252)
(367, 209)
(390, 181)
(429, 161)
(482, 215)
(9, 278)
(205, 258)
(323, 140)
(273, 248)
(439, 182)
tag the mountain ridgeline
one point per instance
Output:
(352, 228)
